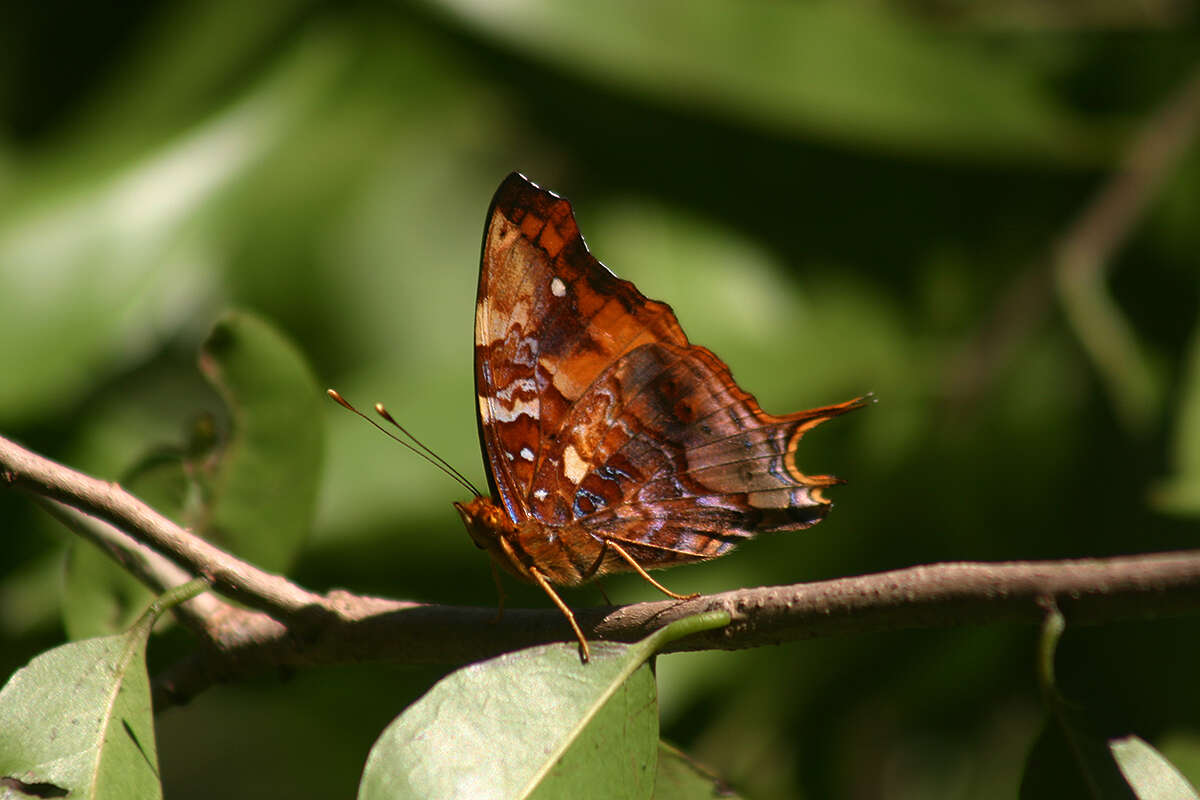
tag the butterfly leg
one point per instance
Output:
(638, 569)
(585, 652)
(603, 593)
(499, 593)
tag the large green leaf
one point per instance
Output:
(77, 720)
(535, 723)
(614, 754)
(99, 261)
(264, 488)
(788, 66)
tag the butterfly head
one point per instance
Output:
(491, 530)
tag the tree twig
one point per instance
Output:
(355, 628)
(155, 571)
(261, 590)
(1088, 591)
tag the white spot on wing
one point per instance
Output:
(573, 466)
(526, 454)
(557, 287)
(539, 494)
(527, 407)
(523, 385)
(519, 318)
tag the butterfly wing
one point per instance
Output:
(601, 422)
(549, 318)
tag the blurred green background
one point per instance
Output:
(835, 197)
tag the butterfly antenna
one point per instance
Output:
(420, 448)
(383, 412)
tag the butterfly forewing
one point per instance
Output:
(549, 319)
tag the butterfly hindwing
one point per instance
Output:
(687, 464)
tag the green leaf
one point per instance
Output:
(535, 723)
(78, 719)
(256, 497)
(784, 66)
(614, 755)
(1148, 772)
(99, 261)
(263, 491)
(681, 778)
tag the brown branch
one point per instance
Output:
(1088, 591)
(353, 628)
(261, 590)
(155, 571)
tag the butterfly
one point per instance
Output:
(611, 442)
